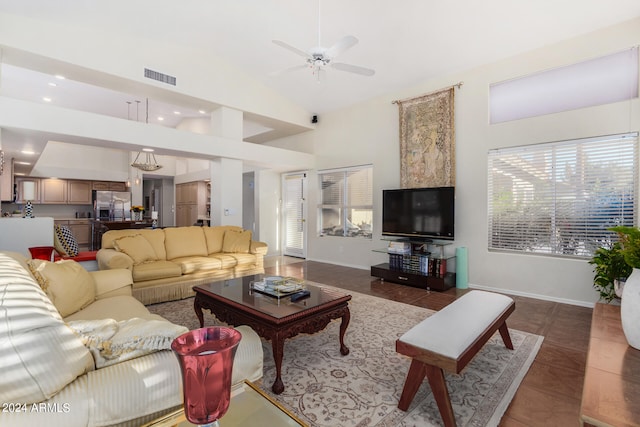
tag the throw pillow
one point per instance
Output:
(64, 242)
(137, 247)
(236, 241)
(67, 284)
(215, 236)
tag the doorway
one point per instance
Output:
(294, 214)
(158, 196)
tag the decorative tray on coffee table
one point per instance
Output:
(278, 286)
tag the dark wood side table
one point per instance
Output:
(611, 393)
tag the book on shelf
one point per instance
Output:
(438, 267)
(416, 263)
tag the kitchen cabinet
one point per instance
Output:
(6, 181)
(187, 193)
(109, 186)
(186, 214)
(192, 202)
(79, 192)
(20, 184)
(53, 191)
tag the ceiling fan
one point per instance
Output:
(317, 58)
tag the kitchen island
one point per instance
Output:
(98, 228)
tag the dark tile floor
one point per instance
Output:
(550, 393)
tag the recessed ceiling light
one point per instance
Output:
(46, 99)
(160, 119)
(60, 77)
(28, 152)
(177, 113)
(202, 112)
(52, 84)
(148, 150)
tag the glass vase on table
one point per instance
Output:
(206, 360)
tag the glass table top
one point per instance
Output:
(249, 407)
(239, 290)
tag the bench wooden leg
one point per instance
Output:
(416, 374)
(435, 375)
(441, 394)
(506, 338)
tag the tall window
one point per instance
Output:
(560, 198)
(346, 202)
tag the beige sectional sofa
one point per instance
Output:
(53, 372)
(167, 263)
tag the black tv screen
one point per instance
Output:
(419, 212)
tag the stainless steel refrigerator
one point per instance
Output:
(112, 205)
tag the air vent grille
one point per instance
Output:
(164, 78)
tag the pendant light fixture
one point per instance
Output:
(150, 163)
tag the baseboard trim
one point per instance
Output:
(535, 296)
(359, 267)
(586, 304)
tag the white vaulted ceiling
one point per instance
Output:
(406, 42)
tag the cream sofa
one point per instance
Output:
(167, 263)
(49, 375)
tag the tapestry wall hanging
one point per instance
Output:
(427, 140)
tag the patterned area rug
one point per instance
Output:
(324, 388)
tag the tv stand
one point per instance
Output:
(439, 276)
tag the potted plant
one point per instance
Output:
(610, 270)
(630, 305)
(630, 242)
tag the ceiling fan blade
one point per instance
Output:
(353, 69)
(340, 46)
(286, 70)
(292, 49)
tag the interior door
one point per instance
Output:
(294, 214)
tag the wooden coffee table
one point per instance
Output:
(276, 319)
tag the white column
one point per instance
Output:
(227, 122)
(226, 192)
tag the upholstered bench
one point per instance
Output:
(448, 340)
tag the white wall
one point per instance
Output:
(368, 133)
(267, 189)
(198, 73)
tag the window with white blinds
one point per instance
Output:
(561, 198)
(346, 202)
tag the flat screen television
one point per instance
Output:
(425, 213)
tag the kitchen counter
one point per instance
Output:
(19, 234)
(120, 225)
(100, 227)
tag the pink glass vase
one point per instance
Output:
(206, 359)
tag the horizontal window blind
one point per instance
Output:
(560, 198)
(346, 203)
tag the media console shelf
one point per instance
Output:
(437, 274)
